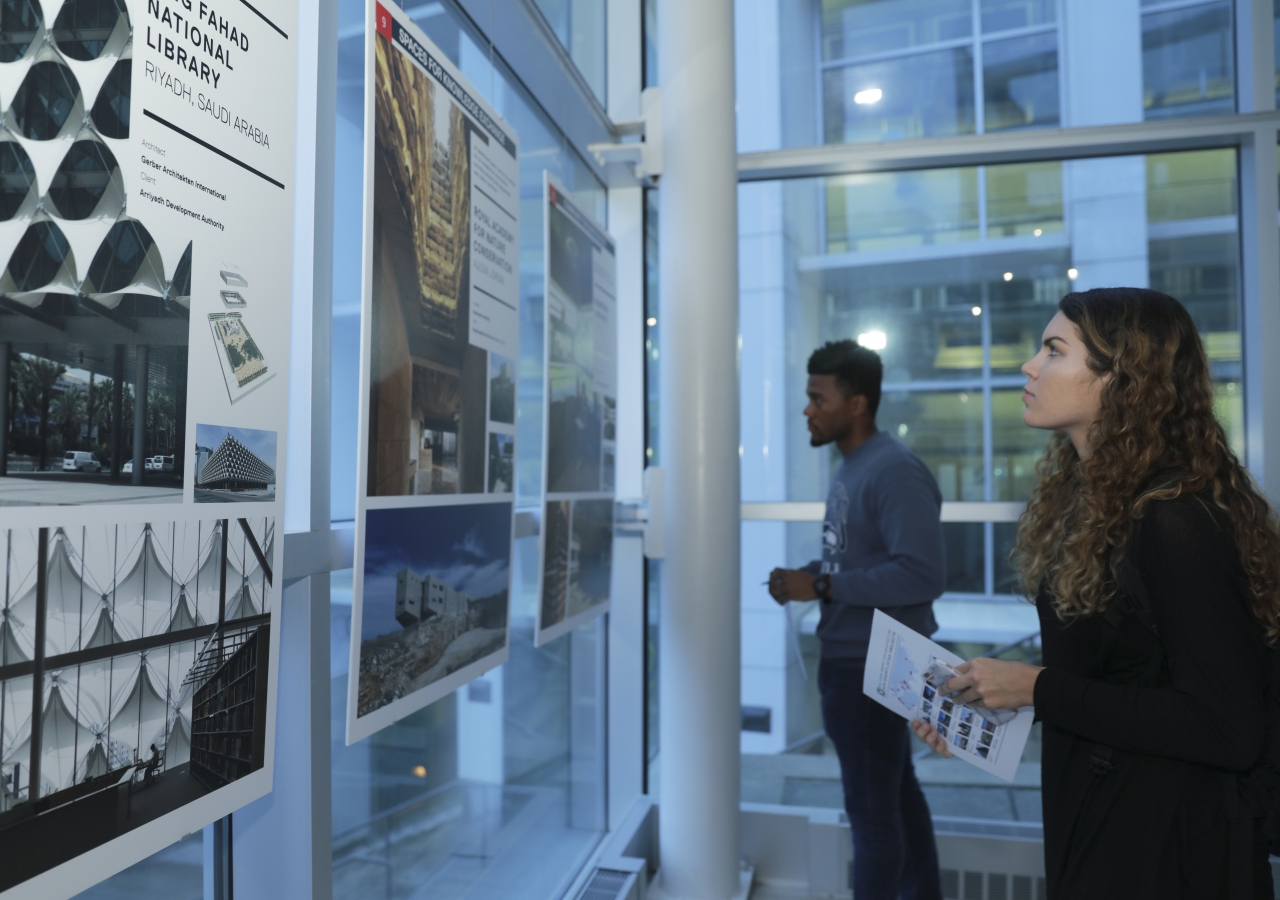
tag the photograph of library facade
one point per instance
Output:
(925, 177)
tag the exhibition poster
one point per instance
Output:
(581, 417)
(440, 328)
(146, 244)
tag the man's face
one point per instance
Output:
(830, 413)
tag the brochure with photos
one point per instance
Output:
(905, 673)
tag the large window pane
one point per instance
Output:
(865, 27)
(1194, 185)
(1015, 448)
(925, 95)
(944, 428)
(1188, 61)
(889, 211)
(1020, 82)
(1024, 199)
(1004, 15)
(580, 26)
(175, 873)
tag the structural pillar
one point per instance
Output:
(699, 675)
(6, 414)
(37, 661)
(117, 409)
(141, 363)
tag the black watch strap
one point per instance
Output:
(822, 586)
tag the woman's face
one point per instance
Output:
(1062, 392)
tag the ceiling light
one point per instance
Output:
(977, 310)
(873, 340)
(1037, 232)
(651, 321)
(1073, 274)
(1008, 276)
(870, 95)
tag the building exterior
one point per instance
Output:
(417, 599)
(233, 467)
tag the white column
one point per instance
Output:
(480, 745)
(1106, 198)
(1260, 246)
(698, 330)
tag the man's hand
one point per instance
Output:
(994, 683)
(791, 584)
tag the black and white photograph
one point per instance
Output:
(86, 423)
(152, 685)
(435, 596)
(234, 465)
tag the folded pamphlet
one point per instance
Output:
(905, 673)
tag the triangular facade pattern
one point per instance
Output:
(234, 467)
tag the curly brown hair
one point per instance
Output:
(1156, 438)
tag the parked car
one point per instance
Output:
(80, 461)
(166, 463)
(127, 468)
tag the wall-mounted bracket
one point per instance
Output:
(643, 516)
(645, 156)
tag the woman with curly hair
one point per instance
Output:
(1154, 564)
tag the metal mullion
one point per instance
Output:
(845, 62)
(1004, 147)
(954, 384)
(979, 97)
(988, 492)
(1179, 4)
(1024, 31)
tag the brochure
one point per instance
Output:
(905, 673)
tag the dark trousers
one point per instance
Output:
(894, 855)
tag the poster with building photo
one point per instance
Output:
(146, 219)
(440, 330)
(581, 417)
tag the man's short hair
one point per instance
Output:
(857, 369)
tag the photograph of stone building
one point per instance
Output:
(151, 688)
(435, 596)
(428, 384)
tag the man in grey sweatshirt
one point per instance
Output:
(881, 549)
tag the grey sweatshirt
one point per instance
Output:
(881, 545)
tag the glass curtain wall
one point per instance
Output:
(580, 27)
(951, 274)
(498, 790)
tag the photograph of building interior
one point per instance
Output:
(150, 688)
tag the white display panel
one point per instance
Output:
(146, 221)
(581, 417)
(439, 342)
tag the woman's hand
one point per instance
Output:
(927, 733)
(994, 683)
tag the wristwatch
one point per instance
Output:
(822, 587)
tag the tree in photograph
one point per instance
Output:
(29, 392)
(69, 412)
(45, 374)
(100, 410)
(160, 419)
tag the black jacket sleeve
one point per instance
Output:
(1213, 711)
